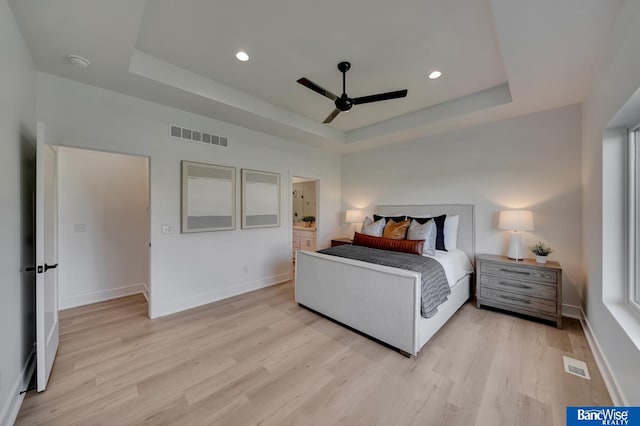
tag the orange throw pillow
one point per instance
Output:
(405, 246)
(396, 230)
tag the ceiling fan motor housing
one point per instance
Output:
(344, 103)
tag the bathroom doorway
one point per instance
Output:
(304, 203)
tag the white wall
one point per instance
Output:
(618, 77)
(193, 269)
(530, 162)
(17, 153)
(108, 194)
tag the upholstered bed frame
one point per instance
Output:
(380, 301)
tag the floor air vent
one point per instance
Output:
(197, 136)
(576, 367)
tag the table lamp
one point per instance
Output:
(516, 220)
(353, 217)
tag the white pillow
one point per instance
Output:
(451, 232)
(375, 229)
(426, 232)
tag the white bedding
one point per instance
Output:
(455, 263)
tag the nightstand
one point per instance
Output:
(523, 286)
(341, 241)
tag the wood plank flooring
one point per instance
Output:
(260, 359)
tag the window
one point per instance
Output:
(620, 248)
(634, 216)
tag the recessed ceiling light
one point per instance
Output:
(242, 56)
(78, 61)
(435, 74)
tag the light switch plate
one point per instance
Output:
(79, 227)
(167, 229)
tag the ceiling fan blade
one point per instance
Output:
(311, 85)
(380, 97)
(331, 116)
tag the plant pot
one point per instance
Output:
(308, 224)
(541, 259)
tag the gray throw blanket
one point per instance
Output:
(435, 287)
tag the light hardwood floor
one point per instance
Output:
(260, 359)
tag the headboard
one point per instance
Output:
(466, 226)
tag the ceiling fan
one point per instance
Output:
(344, 103)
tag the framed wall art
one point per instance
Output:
(260, 199)
(208, 197)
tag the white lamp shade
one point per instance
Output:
(353, 216)
(516, 220)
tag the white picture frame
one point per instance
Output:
(208, 197)
(260, 199)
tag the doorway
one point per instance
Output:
(305, 200)
(104, 226)
(304, 213)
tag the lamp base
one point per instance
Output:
(515, 249)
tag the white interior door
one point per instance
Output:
(47, 331)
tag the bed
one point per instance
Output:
(384, 302)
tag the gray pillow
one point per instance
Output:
(426, 232)
(375, 229)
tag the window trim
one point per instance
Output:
(632, 291)
(616, 206)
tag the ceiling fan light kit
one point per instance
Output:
(344, 103)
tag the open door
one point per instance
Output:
(47, 331)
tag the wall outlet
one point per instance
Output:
(167, 229)
(79, 227)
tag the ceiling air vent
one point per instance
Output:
(191, 135)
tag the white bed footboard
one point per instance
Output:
(380, 301)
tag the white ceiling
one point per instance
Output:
(500, 58)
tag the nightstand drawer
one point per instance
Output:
(519, 272)
(522, 286)
(514, 299)
(526, 288)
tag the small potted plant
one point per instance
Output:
(541, 251)
(309, 221)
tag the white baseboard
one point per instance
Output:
(571, 311)
(12, 406)
(610, 382)
(145, 292)
(101, 296)
(214, 296)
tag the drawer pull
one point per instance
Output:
(515, 299)
(514, 271)
(526, 287)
